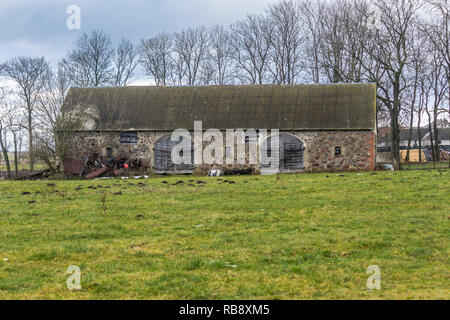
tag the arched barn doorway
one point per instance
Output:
(290, 152)
(163, 157)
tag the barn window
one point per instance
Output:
(337, 151)
(128, 137)
(109, 152)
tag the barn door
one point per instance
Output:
(281, 151)
(163, 153)
(163, 157)
(292, 153)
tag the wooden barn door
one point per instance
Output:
(292, 152)
(163, 157)
(163, 153)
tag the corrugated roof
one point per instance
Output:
(284, 107)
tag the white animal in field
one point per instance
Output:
(215, 173)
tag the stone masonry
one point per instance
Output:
(358, 148)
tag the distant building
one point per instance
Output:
(384, 142)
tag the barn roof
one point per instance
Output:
(284, 107)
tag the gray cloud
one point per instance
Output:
(38, 28)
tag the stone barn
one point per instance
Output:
(328, 127)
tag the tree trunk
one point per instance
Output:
(395, 129)
(419, 136)
(433, 155)
(409, 139)
(20, 148)
(5, 155)
(411, 122)
(395, 137)
(436, 139)
(16, 164)
(30, 142)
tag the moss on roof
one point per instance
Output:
(284, 107)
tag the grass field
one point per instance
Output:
(308, 236)
(426, 165)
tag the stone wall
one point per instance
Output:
(83, 143)
(358, 149)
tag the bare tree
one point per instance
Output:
(287, 41)
(423, 94)
(415, 71)
(15, 122)
(332, 46)
(156, 58)
(220, 62)
(16, 132)
(439, 86)
(55, 124)
(125, 62)
(29, 75)
(90, 63)
(178, 73)
(251, 43)
(4, 112)
(438, 33)
(207, 72)
(191, 47)
(4, 146)
(343, 29)
(311, 15)
(387, 49)
(10, 129)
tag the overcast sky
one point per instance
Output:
(38, 28)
